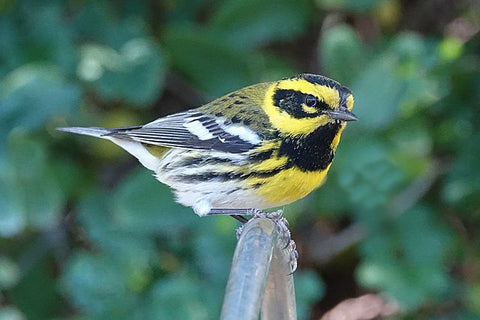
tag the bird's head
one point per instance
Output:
(300, 104)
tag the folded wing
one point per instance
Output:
(192, 130)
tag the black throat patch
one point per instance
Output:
(313, 152)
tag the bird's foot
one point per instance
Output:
(284, 232)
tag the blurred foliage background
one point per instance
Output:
(87, 233)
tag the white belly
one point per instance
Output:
(206, 194)
(201, 195)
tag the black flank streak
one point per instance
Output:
(227, 176)
(262, 156)
(199, 161)
(232, 191)
(257, 185)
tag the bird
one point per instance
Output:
(260, 147)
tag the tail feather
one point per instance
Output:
(135, 148)
(89, 131)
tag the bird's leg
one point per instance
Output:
(242, 219)
(235, 212)
(238, 214)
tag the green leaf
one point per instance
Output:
(9, 273)
(212, 246)
(462, 187)
(406, 259)
(396, 82)
(31, 192)
(251, 23)
(184, 13)
(95, 284)
(371, 180)
(36, 294)
(342, 53)
(450, 48)
(142, 204)
(43, 37)
(102, 23)
(411, 146)
(10, 51)
(12, 216)
(35, 179)
(213, 66)
(177, 297)
(308, 290)
(134, 73)
(378, 93)
(10, 313)
(352, 5)
(128, 247)
(32, 94)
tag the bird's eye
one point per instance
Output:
(310, 100)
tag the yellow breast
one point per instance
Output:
(288, 185)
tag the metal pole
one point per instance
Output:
(279, 299)
(250, 266)
(260, 276)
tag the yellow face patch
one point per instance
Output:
(350, 102)
(288, 124)
(336, 139)
(308, 109)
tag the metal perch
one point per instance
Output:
(260, 277)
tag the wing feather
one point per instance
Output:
(192, 130)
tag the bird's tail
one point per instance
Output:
(88, 131)
(114, 134)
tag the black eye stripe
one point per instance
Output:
(322, 105)
(291, 101)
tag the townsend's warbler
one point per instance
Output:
(260, 147)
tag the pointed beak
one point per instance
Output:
(342, 114)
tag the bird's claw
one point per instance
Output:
(285, 235)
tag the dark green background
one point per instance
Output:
(87, 233)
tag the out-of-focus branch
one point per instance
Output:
(366, 307)
(416, 190)
(322, 249)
